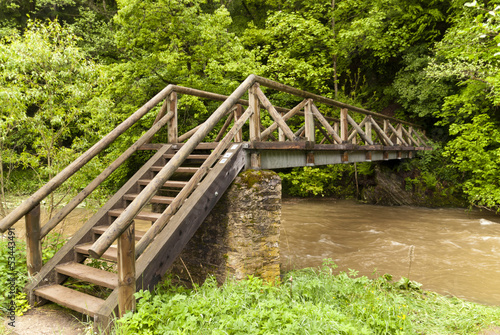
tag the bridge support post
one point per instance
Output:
(126, 271)
(240, 237)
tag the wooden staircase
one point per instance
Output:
(69, 262)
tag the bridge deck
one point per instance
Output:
(279, 155)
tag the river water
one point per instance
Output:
(455, 251)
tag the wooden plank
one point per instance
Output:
(157, 146)
(89, 274)
(101, 229)
(143, 215)
(126, 271)
(151, 146)
(33, 241)
(157, 199)
(111, 254)
(326, 124)
(201, 146)
(191, 156)
(274, 114)
(182, 169)
(77, 301)
(168, 183)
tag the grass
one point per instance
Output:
(308, 301)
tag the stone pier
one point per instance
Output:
(240, 237)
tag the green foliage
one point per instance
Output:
(51, 107)
(315, 181)
(13, 268)
(13, 274)
(308, 301)
(470, 54)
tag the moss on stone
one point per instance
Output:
(249, 178)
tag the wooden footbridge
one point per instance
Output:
(187, 176)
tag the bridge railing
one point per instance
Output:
(316, 129)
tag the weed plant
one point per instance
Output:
(14, 273)
(306, 301)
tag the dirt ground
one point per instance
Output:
(48, 320)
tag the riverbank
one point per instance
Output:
(312, 301)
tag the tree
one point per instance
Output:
(175, 42)
(51, 108)
(469, 54)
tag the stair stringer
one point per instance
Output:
(48, 275)
(159, 256)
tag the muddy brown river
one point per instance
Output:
(455, 251)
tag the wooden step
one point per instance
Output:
(72, 299)
(192, 156)
(110, 255)
(147, 216)
(169, 183)
(181, 169)
(157, 199)
(89, 274)
(101, 229)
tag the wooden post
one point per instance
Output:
(33, 241)
(126, 271)
(368, 130)
(399, 132)
(344, 130)
(254, 124)
(172, 124)
(309, 122)
(237, 114)
(281, 134)
(255, 118)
